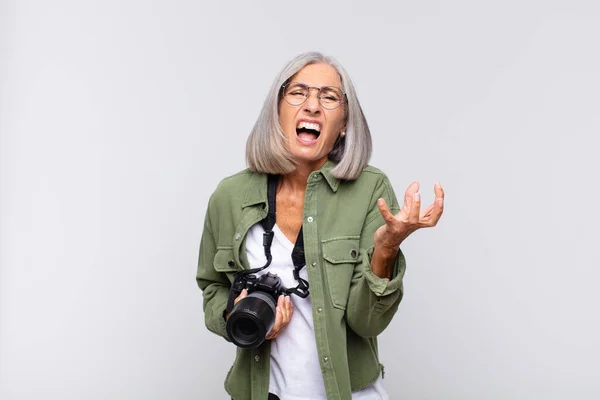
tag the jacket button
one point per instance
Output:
(231, 263)
(314, 264)
(309, 219)
(353, 253)
(319, 309)
(257, 358)
(237, 236)
(325, 359)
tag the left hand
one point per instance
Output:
(409, 219)
(284, 312)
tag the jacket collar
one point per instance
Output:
(256, 191)
(325, 170)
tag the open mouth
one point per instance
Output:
(308, 131)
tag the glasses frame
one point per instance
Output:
(343, 100)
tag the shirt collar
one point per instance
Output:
(256, 192)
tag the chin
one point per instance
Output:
(304, 158)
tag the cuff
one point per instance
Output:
(383, 286)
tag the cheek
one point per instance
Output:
(337, 122)
(286, 117)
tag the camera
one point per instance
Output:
(253, 317)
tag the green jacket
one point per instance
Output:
(351, 305)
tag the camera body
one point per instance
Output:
(267, 283)
(251, 319)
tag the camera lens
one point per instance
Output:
(246, 327)
(251, 320)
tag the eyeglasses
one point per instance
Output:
(295, 94)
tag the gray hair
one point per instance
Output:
(265, 149)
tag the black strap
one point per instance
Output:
(299, 262)
(298, 251)
(268, 223)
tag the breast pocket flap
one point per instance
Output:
(341, 250)
(224, 260)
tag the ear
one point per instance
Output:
(343, 131)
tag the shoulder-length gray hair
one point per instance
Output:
(266, 146)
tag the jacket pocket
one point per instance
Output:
(341, 255)
(224, 262)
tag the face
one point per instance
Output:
(311, 129)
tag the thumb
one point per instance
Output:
(388, 217)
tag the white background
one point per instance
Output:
(118, 119)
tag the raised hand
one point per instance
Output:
(409, 219)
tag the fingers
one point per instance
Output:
(399, 225)
(408, 196)
(430, 216)
(388, 217)
(412, 189)
(439, 192)
(438, 204)
(410, 217)
(415, 209)
(277, 325)
(284, 312)
(243, 294)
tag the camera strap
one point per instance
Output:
(268, 223)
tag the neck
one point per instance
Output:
(297, 179)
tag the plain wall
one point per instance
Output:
(119, 118)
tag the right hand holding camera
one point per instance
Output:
(243, 294)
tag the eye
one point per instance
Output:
(330, 94)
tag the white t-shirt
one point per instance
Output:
(295, 370)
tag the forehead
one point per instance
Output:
(318, 75)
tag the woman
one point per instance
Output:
(312, 133)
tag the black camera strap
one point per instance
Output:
(269, 222)
(297, 253)
(298, 258)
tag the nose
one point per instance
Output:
(312, 102)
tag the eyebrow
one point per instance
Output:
(318, 87)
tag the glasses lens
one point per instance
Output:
(330, 97)
(296, 93)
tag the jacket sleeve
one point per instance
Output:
(215, 285)
(373, 301)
